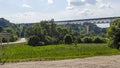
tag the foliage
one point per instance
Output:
(113, 34)
(40, 43)
(13, 38)
(34, 41)
(48, 32)
(68, 39)
(51, 33)
(98, 40)
(87, 40)
(4, 39)
(1, 29)
(79, 40)
(6, 26)
(48, 40)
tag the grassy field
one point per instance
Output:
(23, 52)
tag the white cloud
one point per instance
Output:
(71, 4)
(81, 2)
(70, 7)
(50, 1)
(82, 9)
(105, 6)
(26, 6)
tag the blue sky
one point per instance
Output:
(28, 11)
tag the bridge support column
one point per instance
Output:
(87, 29)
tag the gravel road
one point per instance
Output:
(91, 62)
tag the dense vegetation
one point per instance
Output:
(22, 28)
(48, 32)
(114, 34)
(8, 27)
(51, 32)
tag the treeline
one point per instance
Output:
(48, 32)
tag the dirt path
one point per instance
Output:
(91, 62)
(21, 40)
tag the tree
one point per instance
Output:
(1, 29)
(113, 34)
(98, 40)
(33, 40)
(87, 40)
(68, 39)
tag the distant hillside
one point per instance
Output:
(5, 23)
(9, 27)
(6, 26)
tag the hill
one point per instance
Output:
(6, 26)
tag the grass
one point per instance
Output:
(23, 52)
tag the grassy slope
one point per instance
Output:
(23, 52)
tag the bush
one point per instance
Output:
(75, 42)
(87, 40)
(98, 40)
(33, 40)
(113, 34)
(41, 43)
(13, 38)
(54, 40)
(48, 40)
(4, 39)
(79, 40)
(60, 41)
(9, 39)
(68, 39)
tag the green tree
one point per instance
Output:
(33, 40)
(87, 40)
(113, 34)
(1, 29)
(68, 39)
(98, 40)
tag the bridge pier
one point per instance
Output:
(87, 29)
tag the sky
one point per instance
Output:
(29, 11)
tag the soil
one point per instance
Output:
(90, 62)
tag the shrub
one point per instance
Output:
(75, 42)
(113, 34)
(54, 40)
(13, 38)
(79, 40)
(87, 40)
(33, 40)
(4, 39)
(48, 40)
(68, 39)
(41, 43)
(98, 40)
(60, 41)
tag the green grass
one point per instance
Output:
(23, 52)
